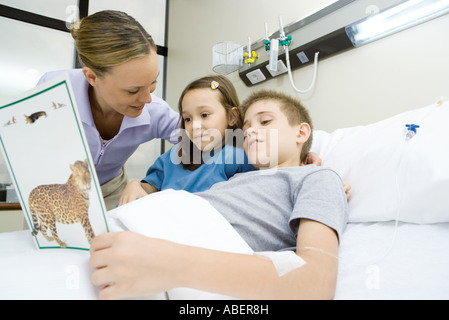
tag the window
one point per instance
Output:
(35, 39)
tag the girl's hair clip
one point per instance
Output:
(214, 85)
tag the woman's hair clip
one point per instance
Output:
(214, 85)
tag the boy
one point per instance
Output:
(285, 207)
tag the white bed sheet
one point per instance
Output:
(374, 264)
(416, 267)
(27, 273)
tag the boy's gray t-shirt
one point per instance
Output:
(265, 207)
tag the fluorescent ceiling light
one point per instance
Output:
(397, 18)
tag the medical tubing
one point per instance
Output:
(409, 135)
(315, 72)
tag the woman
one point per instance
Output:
(113, 94)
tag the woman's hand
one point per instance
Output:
(313, 158)
(347, 189)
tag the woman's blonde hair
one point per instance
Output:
(109, 38)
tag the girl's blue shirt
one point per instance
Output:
(168, 173)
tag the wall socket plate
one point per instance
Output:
(281, 69)
(303, 57)
(256, 76)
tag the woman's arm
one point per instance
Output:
(131, 265)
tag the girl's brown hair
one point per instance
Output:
(109, 38)
(228, 99)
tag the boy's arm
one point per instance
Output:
(136, 265)
(253, 277)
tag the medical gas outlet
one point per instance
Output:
(250, 59)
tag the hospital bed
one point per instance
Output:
(394, 246)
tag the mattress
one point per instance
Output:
(30, 274)
(382, 261)
(377, 261)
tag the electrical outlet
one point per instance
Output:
(256, 76)
(281, 69)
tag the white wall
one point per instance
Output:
(11, 220)
(196, 25)
(361, 86)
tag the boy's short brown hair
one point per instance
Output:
(292, 108)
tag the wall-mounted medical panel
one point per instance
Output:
(327, 46)
(323, 31)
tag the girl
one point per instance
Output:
(210, 145)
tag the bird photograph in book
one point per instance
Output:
(48, 159)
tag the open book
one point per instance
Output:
(48, 158)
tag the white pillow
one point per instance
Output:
(392, 178)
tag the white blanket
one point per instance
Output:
(28, 273)
(183, 218)
(180, 217)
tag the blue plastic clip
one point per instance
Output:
(412, 127)
(411, 130)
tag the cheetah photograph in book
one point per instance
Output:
(48, 158)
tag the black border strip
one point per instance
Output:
(164, 90)
(83, 7)
(55, 24)
(32, 18)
